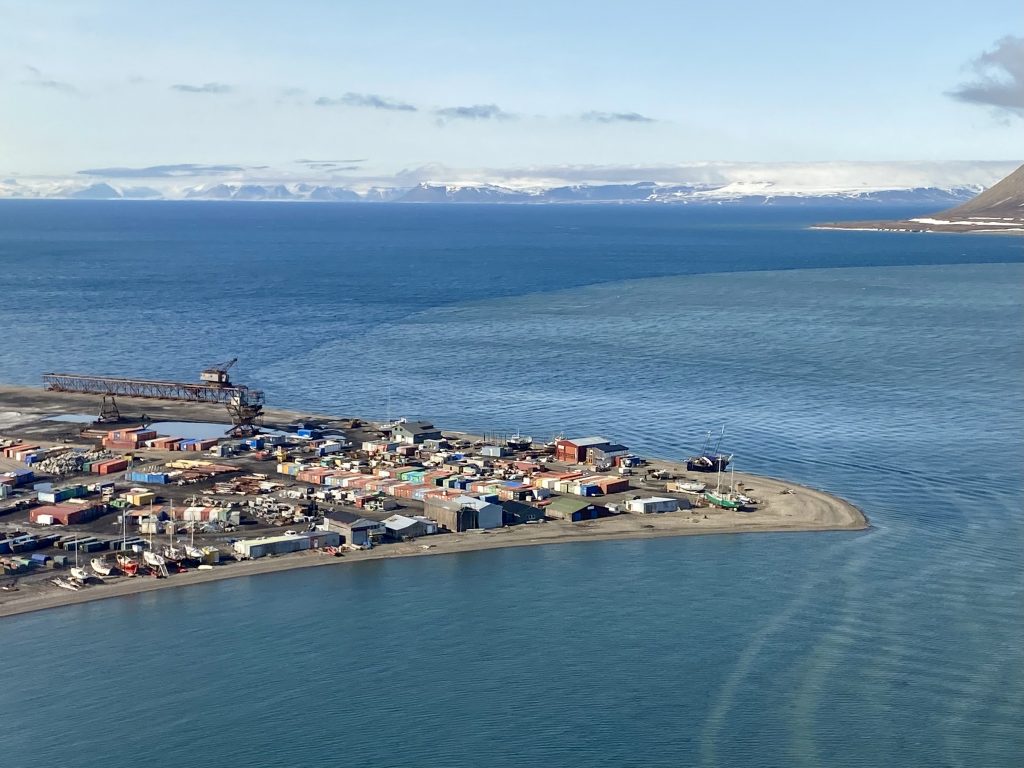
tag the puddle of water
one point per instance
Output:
(190, 430)
(77, 418)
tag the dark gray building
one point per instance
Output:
(517, 513)
(416, 432)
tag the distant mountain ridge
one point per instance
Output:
(762, 193)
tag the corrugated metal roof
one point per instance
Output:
(586, 442)
(569, 504)
(610, 447)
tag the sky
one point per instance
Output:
(365, 92)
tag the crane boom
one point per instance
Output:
(245, 405)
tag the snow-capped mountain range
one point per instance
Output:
(757, 192)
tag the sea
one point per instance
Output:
(887, 368)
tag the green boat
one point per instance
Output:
(723, 499)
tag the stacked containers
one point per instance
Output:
(108, 466)
(62, 494)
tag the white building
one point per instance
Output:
(652, 504)
(401, 527)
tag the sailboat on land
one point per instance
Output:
(710, 459)
(725, 499)
(101, 566)
(128, 565)
(172, 554)
(154, 559)
(192, 552)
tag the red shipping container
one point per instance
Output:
(110, 467)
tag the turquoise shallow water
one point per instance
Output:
(885, 368)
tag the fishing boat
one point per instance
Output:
(725, 499)
(710, 459)
(101, 566)
(127, 564)
(518, 442)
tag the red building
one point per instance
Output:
(574, 451)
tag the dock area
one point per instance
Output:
(316, 490)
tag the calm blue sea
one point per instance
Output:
(888, 368)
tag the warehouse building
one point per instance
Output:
(250, 549)
(68, 513)
(464, 513)
(575, 509)
(354, 530)
(574, 451)
(606, 453)
(517, 513)
(653, 504)
(400, 527)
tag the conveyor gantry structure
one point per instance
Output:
(244, 405)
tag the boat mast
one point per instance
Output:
(719, 443)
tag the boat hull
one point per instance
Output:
(722, 500)
(153, 559)
(707, 463)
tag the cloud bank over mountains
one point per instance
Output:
(345, 180)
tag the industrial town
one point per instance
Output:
(159, 488)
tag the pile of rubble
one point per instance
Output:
(69, 462)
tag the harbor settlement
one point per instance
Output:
(314, 490)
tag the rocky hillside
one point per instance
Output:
(997, 210)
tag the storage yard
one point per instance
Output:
(91, 510)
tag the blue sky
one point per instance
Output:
(381, 87)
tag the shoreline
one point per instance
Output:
(786, 508)
(125, 586)
(916, 228)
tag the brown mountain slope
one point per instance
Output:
(997, 210)
(1004, 198)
